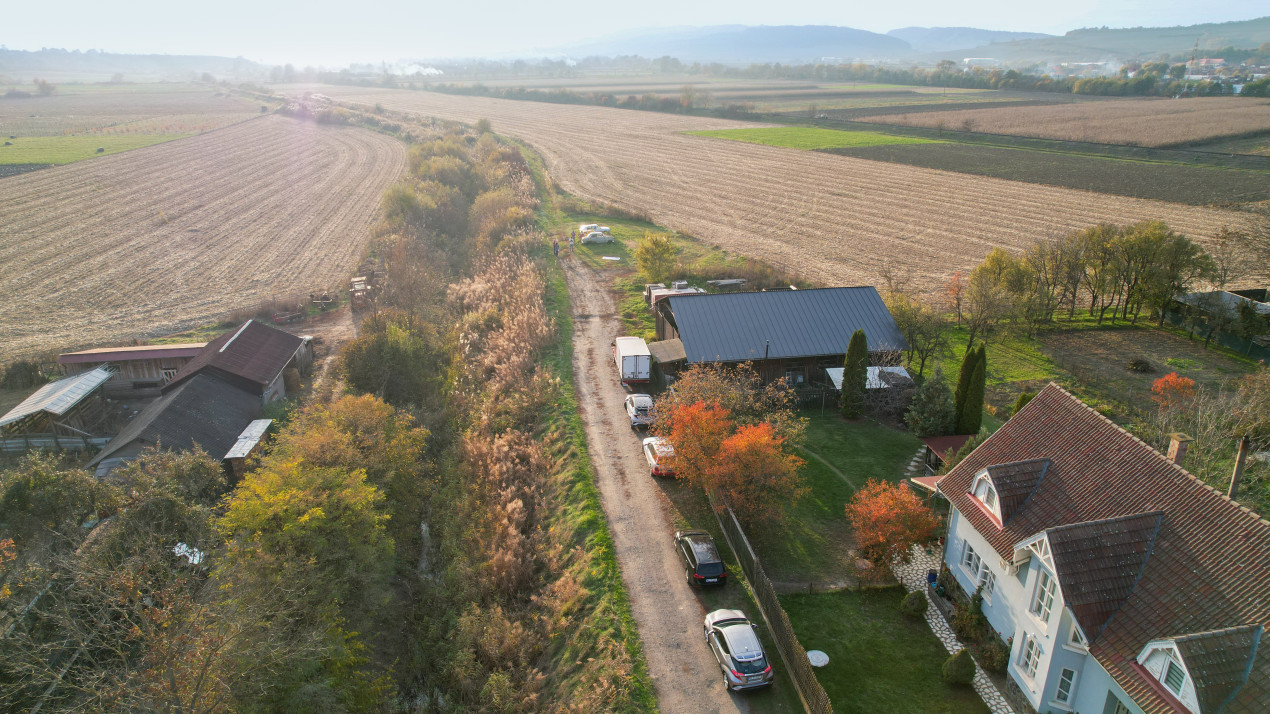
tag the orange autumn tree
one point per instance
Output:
(747, 465)
(1172, 390)
(889, 520)
(697, 432)
(758, 478)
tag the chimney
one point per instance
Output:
(1178, 443)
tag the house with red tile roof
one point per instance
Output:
(1123, 583)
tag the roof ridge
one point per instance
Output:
(1158, 513)
(1217, 632)
(1192, 477)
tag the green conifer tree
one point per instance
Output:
(931, 412)
(855, 372)
(971, 416)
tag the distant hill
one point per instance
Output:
(741, 44)
(938, 39)
(1095, 44)
(20, 66)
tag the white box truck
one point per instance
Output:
(634, 363)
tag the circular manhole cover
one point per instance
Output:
(818, 658)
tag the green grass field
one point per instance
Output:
(810, 138)
(879, 661)
(68, 149)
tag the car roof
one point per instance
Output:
(660, 444)
(640, 399)
(742, 640)
(703, 546)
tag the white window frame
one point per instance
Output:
(968, 553)
(1029, 657)
(989, 582)
(1043, 596)
(1070, 694)
(1170, 664)
(983, 488)
(1076, 641)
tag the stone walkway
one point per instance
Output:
(913, 576)
(916, 467)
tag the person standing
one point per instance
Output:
(555, 246)
(570, 245)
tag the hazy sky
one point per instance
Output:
(335, 33)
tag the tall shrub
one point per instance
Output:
(932, 412)
(971, 417)
(854, 373)
(963, 380)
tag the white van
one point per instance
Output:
(633, 361)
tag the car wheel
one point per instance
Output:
(688, 579)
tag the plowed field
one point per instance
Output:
(835, 219)
(1137, 122)
(167, 237)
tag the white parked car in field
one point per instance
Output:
(597, 237)
(586, 228)
(639, 407)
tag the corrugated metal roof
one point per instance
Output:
(203, 410)
(255, 354)
(247, 440)
(58, 397)
(872, 379)
(736, 327)
(120, 354)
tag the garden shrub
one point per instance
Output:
(959, 669)
(993, 655)
(914, 605)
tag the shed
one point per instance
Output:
(795, 334)
(67, 413)
(252, 358)
(248, 441)
(937, 448)
(138, 371)
(203, 410)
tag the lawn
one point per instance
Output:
(809, 138)
(814, 543)
(68, 149)
(879, 661)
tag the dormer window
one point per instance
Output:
(987, 494)
(1174, 676)
(1076, 639)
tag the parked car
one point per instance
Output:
(586, 228)
(639, 407)
(597, 237)
(702, 564)
(659, 453)
(734, 642)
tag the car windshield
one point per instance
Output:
(754, 666)
(710, 570)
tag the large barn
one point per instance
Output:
(139, 371)
(795, 334)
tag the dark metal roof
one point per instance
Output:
(203, 410)
(736, 327)
(251, 356)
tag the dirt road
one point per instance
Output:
(667, 611)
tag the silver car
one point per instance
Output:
(639, 407)
(734, 642)
(596, 237)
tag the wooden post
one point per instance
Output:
(1240, 460)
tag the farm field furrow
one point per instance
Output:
(164, 238)
(1138, 122)
(836, 219)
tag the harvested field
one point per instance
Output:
(160, 239)
(834, 219)
(124, 110)
(1137, 122)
